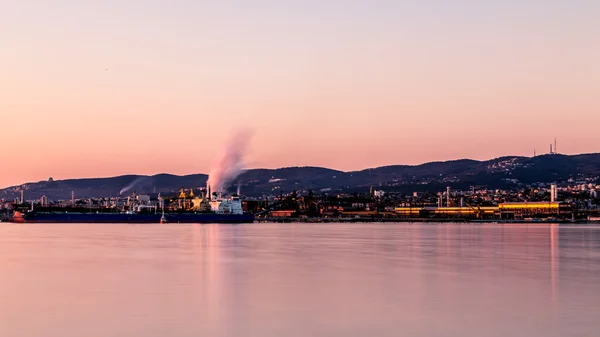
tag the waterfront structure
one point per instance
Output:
(520, 210)
(448, 212)
(507, 210)
(412, 212)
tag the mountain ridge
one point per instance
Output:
(502, 172)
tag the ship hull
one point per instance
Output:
(137, 218)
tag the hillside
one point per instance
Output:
(497, 173)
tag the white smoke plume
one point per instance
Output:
(230, 164)
(133, 184)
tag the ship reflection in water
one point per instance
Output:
(299, 280)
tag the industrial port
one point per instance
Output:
(183, 208)
(476, 205)
(568, 203)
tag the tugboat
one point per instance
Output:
(17, 218)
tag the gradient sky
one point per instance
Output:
(103, 88)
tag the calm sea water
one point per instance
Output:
(299, 280)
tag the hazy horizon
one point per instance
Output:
(104, 88)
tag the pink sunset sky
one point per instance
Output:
(104, 88)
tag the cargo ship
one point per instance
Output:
(210, 210)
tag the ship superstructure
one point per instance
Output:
(231, 205)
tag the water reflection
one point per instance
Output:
(554, 261)
(299, 280)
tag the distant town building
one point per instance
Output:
(44, 201)
(143, 198)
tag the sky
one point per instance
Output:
(104, 88)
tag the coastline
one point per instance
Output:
(422, 220)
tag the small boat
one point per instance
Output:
(17, 218)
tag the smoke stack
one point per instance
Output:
(553, 193)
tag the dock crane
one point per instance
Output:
(476, 210)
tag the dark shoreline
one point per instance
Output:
(423, 220)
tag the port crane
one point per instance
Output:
(476, 210)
